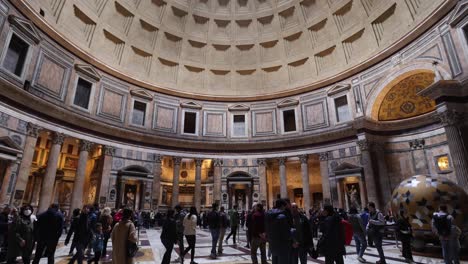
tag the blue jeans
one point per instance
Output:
(361, 244)
(445, 244)
(214, 240)
(378, 236)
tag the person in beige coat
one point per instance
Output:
(123, 232)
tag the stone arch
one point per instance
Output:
(239, 173)
(134, 170)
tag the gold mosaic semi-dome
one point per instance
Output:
(421, 195)
(241, 49)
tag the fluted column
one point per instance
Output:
(450, 120)
(282, 174)
(108, 153)
(217, 163)
(262, 180)
(78, 185)
(305, 181)
(323, 157)
(26, 162)
(369, 176)
(157, 181)
(47, 189)
(197, 195)
(175, 181)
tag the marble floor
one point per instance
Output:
(151, 251)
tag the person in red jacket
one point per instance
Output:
(348, 228)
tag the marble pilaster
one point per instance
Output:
(217, 163)
(175, 181)
(282, 174)
(369, 176)
(305, 181)
(78, 185)
(107, 157)
(197, 194)
(262, 180)
(323, 157)
(157, 171)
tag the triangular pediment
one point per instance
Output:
(9, 147)
(88, 70)
(142, 94)
(345, 166)
(338, 88)
(288, 102)
(26, 27)
(239, 107)
(461, 11)
(190, 104)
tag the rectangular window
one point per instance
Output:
(465, 31)
(190, 122)
(342, 109)
(289, 120)
(82, 93)
(139, 113)
(238, 126)
(70, 149)
(15, 57)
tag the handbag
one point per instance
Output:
(132, 247)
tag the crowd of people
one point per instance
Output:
(286, 229)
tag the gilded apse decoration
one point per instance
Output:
(403, 101)
(421, 195)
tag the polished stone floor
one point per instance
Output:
(151, 251)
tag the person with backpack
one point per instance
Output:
(179, 218)
(83, 235)
(359, 233)
(213, 223)
(376, 227)
(442, 227)
(332, 242)
(257, 235)
(365, 222)
(97, 242)
(234, 221)
(278, 230)
(223, 224)
(302, 236)
(190, 225)
(405, 234)
(48, 229)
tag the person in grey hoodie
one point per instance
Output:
(359, 233)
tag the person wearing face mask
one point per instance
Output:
(21, 236)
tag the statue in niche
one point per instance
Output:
(353, 194)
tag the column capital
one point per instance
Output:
(450, 117)
(217, 162)
(304, 158)
(363, 144)
(157, 158)
(198, 162)
(57, 138)
(417, 143)
(282, 161)
(176, 160)
(261, 162)
(323, 156)
(85, 145)
(109, 150)
(33, 130)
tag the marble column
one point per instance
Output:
(26, 162)
(305, 181)
(78, 185)
(4, 195)
(323, 157)
(217, 163)
(175, 181)
(107, 157)
(48, 182)
(282, 174)
(157, 171)
(197, 194)
(451, 120)
(262, 180)
(362, 193)
(369, 176)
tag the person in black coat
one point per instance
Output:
(302, 236)
(48, 228)
(71, 231)
(168, 236)
(82, 235)
(332, 241)
(405, 234)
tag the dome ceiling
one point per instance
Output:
(240, 49)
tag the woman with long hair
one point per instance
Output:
(190, 225)
(21, 236)
(123, 233)
(168, 236)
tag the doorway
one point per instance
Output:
(239, 187)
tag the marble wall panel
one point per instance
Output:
(314, 115)
(214, 123)
(264, 122)
(165, 118)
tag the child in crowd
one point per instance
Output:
(97, 243)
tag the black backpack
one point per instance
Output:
(442, 224)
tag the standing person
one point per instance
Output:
(83, 235)
(365, 222)
(278, 231)
(190, 225)
(454, 243)
(257, 235)
(168, 236)
(248, 222)
(179, 218)
(376, 227)
(359, 233)
(106, 222)
(123, 232)
(97, 243)
(302, 236)
(442, 227)
(405, 234)
(48, 229)
(21, 236)
(234, 221)
(71, 230)
(242, 218)
(3, 231)
(332, 242)
(213, 224)
(223, 224)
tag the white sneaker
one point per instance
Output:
(360, 259)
